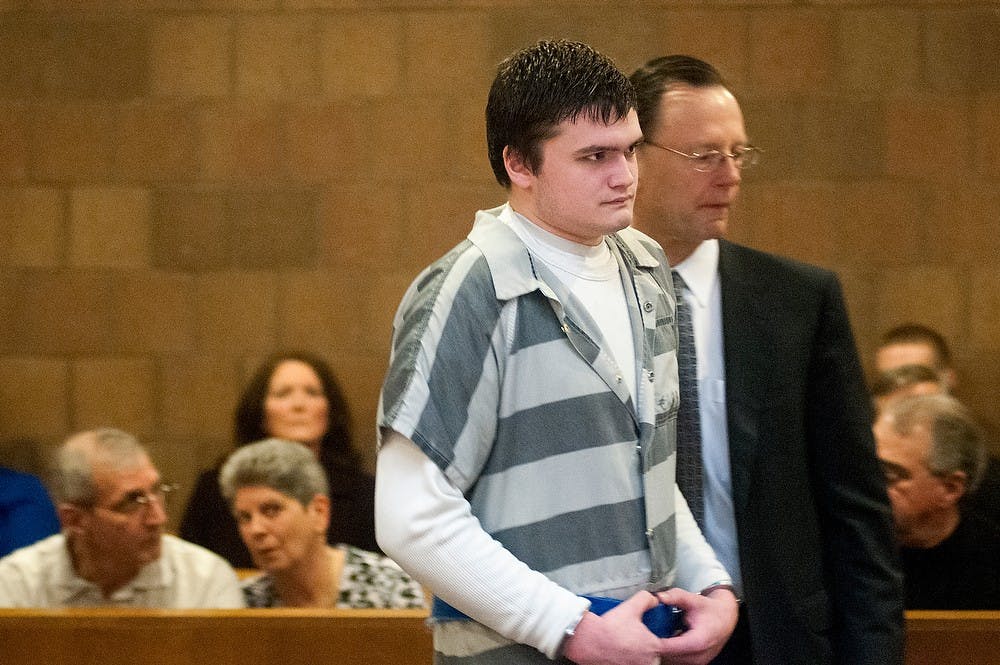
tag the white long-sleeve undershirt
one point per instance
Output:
(423, 522)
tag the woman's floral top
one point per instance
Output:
(368, 580)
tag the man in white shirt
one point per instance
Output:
(112, 550)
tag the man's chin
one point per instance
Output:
(619, 222)
(716, 227)
(151, 553)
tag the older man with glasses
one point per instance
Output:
(774, 449)
(112, 550)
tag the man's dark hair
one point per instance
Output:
(656, 76)
(539, 87)
(909, 333)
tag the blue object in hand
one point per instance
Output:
(662, 620)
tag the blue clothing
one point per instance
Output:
(26, 511)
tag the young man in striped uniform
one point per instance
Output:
(528, 418)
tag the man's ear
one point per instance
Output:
(320, 508)
(954, 485)
(949, 379)
(518, 171)
(71, 516)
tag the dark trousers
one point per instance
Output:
(738, 650)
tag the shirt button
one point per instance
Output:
(618, 378)
(649, 533)
(648, 306)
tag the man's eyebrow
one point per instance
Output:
(590, 149)
(132, 491)
(891, 465)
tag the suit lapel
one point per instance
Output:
(746, 358)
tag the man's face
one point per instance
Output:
(917, 495)
(118, 529)
(584, 186)
(679, 206)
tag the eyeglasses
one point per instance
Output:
(140, 500)
(893, 472)
(708, 161)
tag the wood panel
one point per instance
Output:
(952, 638)
(342, 637)
(215, 637)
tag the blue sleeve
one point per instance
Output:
(26, 512)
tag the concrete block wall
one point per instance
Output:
(188, 186)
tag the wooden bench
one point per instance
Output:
(952, 638)
(214, 637)
(342, 637)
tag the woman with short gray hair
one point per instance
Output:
(279, 496)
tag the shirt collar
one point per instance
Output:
(700, 271)
(154, 575)
(510, 262)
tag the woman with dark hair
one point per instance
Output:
(291, 396)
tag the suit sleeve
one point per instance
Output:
(859, 555)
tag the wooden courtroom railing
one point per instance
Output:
(952, 638)
(341, 637)
(214, 637)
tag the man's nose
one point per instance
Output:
(156, 512)
(728, 172)
(624, 172)
(254, 525)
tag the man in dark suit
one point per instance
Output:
(787, 487)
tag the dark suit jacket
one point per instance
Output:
(985, 501)
(821, 577)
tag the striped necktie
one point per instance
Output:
(688, 421)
